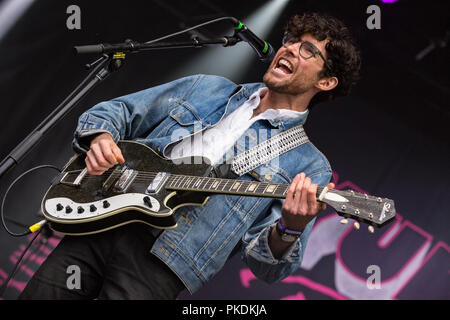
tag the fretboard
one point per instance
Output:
(228, 186)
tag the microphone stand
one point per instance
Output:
(112, 59)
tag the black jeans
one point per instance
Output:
(116, 264)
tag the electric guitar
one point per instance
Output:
(149, 188)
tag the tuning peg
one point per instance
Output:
(344, 221)
(356, 225)
(371, 229)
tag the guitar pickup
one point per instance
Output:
(126, 178)
(157, 182)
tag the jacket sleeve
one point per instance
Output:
(256, 252)
(131, 116)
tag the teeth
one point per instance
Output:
(286, 64)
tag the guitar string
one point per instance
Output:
(172, 181)
(144, 176)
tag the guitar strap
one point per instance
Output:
(263, 152)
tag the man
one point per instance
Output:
(317, 61)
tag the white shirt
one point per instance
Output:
(212, 143)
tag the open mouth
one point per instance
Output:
(283, 66)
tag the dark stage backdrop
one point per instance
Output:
(389, 138)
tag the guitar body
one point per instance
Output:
(79, 203)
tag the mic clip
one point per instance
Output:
(231, 41)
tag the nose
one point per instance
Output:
(292, 48)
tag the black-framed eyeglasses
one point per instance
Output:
(307, 50)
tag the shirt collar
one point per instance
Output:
(285, 118)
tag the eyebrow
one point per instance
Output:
(312, 44)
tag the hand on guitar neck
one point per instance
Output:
(301, 204)
(299, 208)
(103, 154)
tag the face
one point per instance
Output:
(292, 74)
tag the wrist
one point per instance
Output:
(287, 234)
(101, 136)
(292, 224)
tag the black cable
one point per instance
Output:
(6, 193)
(16, 267)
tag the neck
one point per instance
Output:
(229, 186)
(275, 100)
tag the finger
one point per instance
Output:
(93, 161)
(107, 151)
(331, 185)
(303, 205)
(97, 159)
(293, 185)
(90, 168)
(118, 154)
(311, 198)
(298, 192)
(289, 200)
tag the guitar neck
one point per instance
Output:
(229, 186)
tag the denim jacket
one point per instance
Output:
(207, 235)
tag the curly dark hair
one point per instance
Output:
(343, 56)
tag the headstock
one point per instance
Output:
(373, 210)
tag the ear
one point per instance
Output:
(326, 84)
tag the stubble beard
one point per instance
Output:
(284, 87)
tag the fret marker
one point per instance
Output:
(236, 185)
(252, 187)
(186, 183)
(271, 188)
(215, 184)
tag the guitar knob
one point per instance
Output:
(59, 207)
(148, 202)
(344, 221)
(80, 209)
(356, 225)
(106, 204)
(92, 208)
(68, 209)
(371, 229)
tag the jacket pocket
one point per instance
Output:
(185, 115)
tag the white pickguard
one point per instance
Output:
(115, 203)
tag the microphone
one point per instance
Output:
(262, 48)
